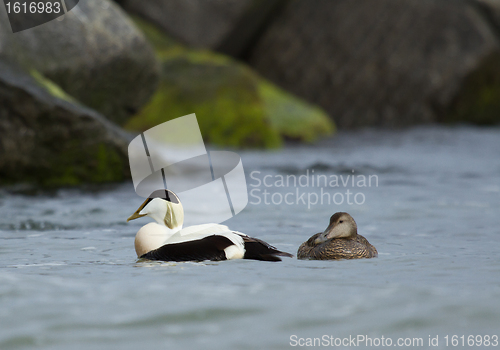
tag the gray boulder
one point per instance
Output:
(227, 26)
(49, 141)
(490, 9)
(385, 62)
(94, 53)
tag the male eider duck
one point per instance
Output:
(166, 240)
(340, 240)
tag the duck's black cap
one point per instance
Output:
(166, 195)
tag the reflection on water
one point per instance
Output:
(69, 277)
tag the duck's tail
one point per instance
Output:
(257, 249)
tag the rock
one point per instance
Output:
(478, 99)
(228, 26)
(381, 63)
(94, 53)
(294, 118)
(234, 106)
(490, 9)
(50, 141)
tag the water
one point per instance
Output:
(69, 278)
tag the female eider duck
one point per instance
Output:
(340, 240)
(166, 240)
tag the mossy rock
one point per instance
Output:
(96, 54)
(478, 101)
(234, 106)
(47, 139)
(224, 98)
(294, 118)
(51, 87)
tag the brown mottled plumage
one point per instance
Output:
(340, 240)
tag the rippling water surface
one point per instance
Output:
(69, 278)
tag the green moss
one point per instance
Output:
(224, 98)
(108, 167)
(478, 101)
(102, 164)
(51, 87)
(234, 106)
(294, 118)
(156, 37)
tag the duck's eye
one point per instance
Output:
(341, 221)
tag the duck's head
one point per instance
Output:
(342, 225)
(164, 207)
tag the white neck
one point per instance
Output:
(169, 219)
(165, 213)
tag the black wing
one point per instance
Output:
(259, 250)
(208, 248)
